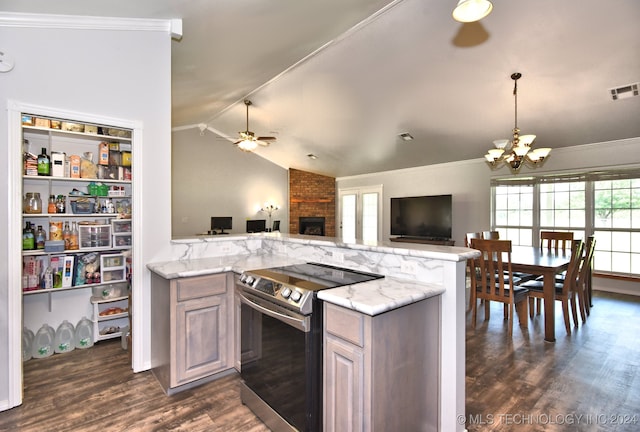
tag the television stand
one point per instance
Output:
(424, 240)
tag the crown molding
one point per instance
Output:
(77, 22)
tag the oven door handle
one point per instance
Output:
(299, 323)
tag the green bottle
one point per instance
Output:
(28, 239)
(44, 163)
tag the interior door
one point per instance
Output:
(360, 214)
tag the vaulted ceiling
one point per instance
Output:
(340, 79)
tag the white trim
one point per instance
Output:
(14, 260)
(14, 318)
(11, 19)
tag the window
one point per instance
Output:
(513, 215)
(617, 225)
(603, 204)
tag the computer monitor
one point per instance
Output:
(221, 223)
(256, 225)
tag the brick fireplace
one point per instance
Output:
(312, 196)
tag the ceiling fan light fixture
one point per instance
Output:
(471, 10)
(247, 145)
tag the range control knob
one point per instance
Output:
(286, 292)
(296, 296)
(249, 280)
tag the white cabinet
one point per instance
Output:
(381, 372)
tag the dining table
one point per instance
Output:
(548, 263)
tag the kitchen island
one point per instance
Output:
(412, 273)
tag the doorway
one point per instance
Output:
(360, 211)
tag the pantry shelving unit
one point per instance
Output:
(49, 133)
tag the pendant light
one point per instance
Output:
(471, 10)
(517, 151)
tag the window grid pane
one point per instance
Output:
(369, 216)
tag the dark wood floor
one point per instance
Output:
(589, 381)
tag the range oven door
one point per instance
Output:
(281, 360)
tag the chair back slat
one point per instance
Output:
(570, 280)
(556, 240)
(469, 236)
(587, 260)
(490, 235)
(494, 267)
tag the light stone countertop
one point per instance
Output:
(380, 295)
(445, 253)
(204, 266)
(371, 298)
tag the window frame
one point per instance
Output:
(589, 179)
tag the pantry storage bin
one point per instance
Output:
(113, 268)
(121, 229)
(94, 236)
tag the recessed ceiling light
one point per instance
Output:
(312, 156)
(405, 136)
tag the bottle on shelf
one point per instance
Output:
(41, 237)
(32, 203)
(28, 239)
(51, 208)
(66, 235)
(44, 163)
(73, 238)
(61, 204)
(47, 278)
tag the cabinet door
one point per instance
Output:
(200, 339)
(343, 386)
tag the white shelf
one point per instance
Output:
(77, 180)
(61, 132)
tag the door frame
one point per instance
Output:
(14, 243)
(359, 191)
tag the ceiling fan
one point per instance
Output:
(248, 141)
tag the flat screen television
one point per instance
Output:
(221, 223)
(256, 225)
(427, 217)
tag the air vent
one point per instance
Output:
(624, 92)
(405, 136)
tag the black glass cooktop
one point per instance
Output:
(315, 276)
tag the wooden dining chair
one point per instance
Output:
(471, 267)
(564, 292)
(494, 267)
(491, 235)
(584, 276)
(557, 241)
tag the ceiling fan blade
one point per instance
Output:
(266, 138)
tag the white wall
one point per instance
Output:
(115, 74)
(211, 177)
(469, 183)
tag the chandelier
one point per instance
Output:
(518, 151)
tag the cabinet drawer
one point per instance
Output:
(201, 286)
(344, 323)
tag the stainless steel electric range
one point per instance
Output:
(281, 341)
